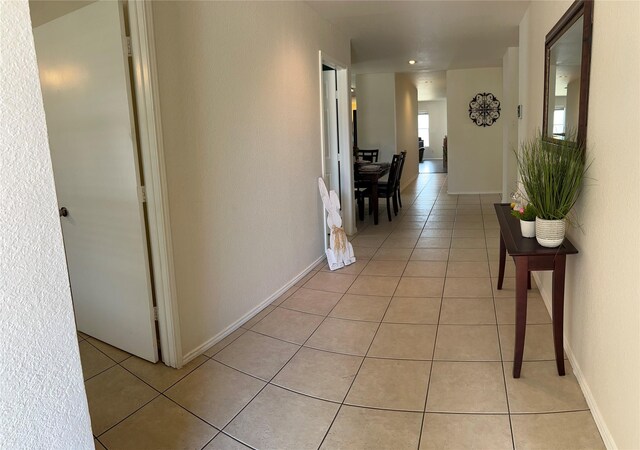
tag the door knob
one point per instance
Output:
(64, 212)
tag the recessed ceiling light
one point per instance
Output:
(412, 61)
(352, 90)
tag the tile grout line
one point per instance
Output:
(495, 312)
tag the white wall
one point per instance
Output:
(42, 397)
(407, 126)
(602, 307)
(240, 103)
(475, 153)
(376, 113)
(510, 125)
(437, 110)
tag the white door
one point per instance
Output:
(87, 100)
(330, 141)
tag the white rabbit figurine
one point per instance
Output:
(340, 251)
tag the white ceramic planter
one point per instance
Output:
(550, 233)
(528, 228)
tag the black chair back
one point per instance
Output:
(368, 155)
(404, 156)
(393, 172)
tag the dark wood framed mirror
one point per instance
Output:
(566, 74)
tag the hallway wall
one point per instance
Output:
(602, 311)
(240, 101)
(407, 126)
(42, 395)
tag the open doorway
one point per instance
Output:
(432, 131)
(337, 165)
(103, 181)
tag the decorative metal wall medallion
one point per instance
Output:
(484, 109)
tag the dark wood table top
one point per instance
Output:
(521, 246)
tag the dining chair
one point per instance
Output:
(404, 157)
(368, 155)
(387, 189)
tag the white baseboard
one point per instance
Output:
(577, 371)
(248, 316)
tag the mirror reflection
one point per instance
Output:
(565, 59)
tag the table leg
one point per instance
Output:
(557, 308)
(503, 256)
(522, 269)
(374, 199)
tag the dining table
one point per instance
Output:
(368, 174)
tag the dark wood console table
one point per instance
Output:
(528, 255)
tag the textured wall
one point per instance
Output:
(475, 153)
(376, 113)
(240, 100)
(42, 397)
(407, 126)
(602, 307)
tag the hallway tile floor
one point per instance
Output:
(409, 348)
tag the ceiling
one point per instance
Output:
(440, 35)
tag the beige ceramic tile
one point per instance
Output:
(368, 241)
(434, 242)
(436, 269)
(430, 254)
(536, 310)
(363, 428)
(468, 254)
(93, 360)
(257, 355)
(258, 317)
(439, 225)
(288, 293)
(224, 342)
(215, 392)
(468, 225)
(419, 287)
(468, 287)
(364, 252)
(462, 269)
(538, 342)
(416, 310)
(302, 281)
(509, 268)
(467, 387)
(320, 374)
(461, 431)
(280, 419)
(312, 301)
(97, 445)
(468, 233)
(540, 389)
(563, 431)
(288, 325)
(391, 384)
(403, 341)
(361, 307)
(374, 285)
(160, 424)
(114, 353)
(158, 375)
(113, 395)
(224, 442)
(332, 282)
(385, 268)
(343, 336)
(430, 233)
(467, 311)
(392, 254)
(460, 242)
(467, 343)
(399, 242)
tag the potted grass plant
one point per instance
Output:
(551, 174)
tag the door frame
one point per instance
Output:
(344, 137)
(145, 84)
